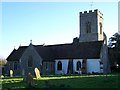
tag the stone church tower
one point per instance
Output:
(91, 29)
(91, 26)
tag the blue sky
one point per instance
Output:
(49, 22)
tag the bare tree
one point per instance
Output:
(3, 61)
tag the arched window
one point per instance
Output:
(78, 65)
(100, 28)
(88, 27)
(59, 65)
(30, 61)
(15, 65)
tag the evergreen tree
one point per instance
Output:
(114, 51)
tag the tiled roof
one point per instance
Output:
(84, 50)
(77, 50)
(16, 54)
(45, 52)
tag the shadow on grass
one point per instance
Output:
(65, 84)
(89, 82)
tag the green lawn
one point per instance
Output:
(66, 81)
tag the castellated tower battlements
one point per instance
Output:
(91, 26)
(96, 11)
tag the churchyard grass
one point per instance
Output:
(64, 81)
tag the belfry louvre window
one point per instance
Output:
(30, 61)
(59, 65)
(100, 28)
(78, 65)
(88, 27)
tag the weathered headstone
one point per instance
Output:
(23, 72)
(2, 76)
(80, 71)
(37, 73)
(11, 73)
(29, 79)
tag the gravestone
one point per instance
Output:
(23, 72)
(80, 71)
(37, 73)
(29, 79)
(11, 73)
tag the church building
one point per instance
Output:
(86, 54)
